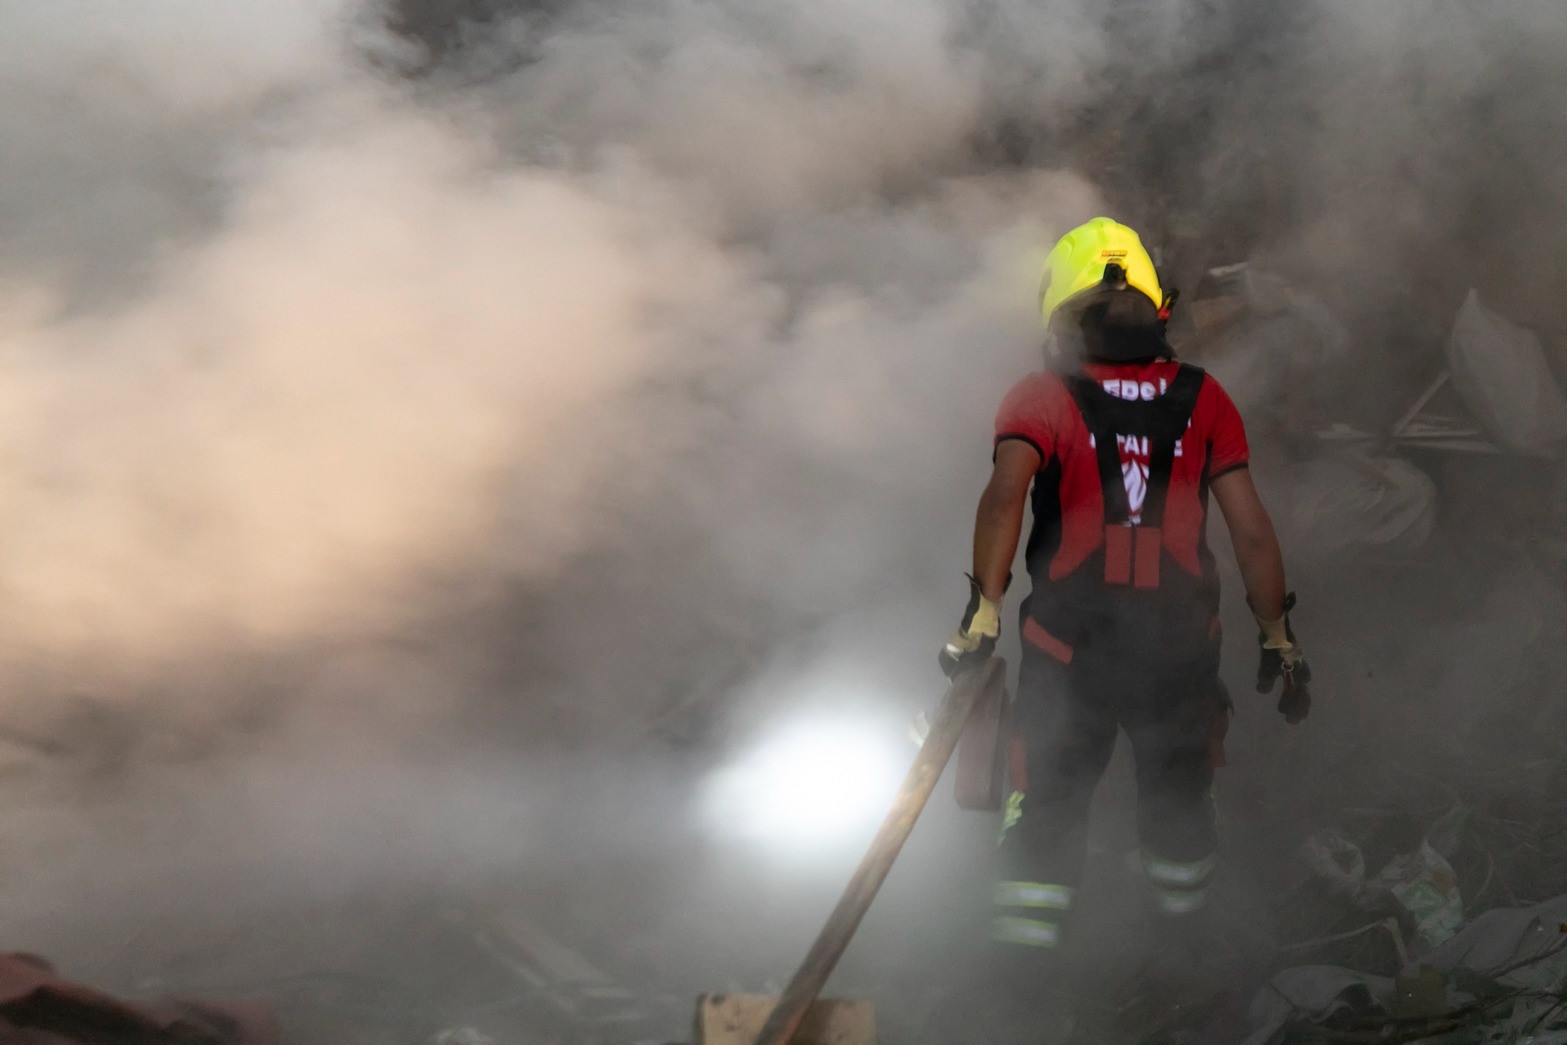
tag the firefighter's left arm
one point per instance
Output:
(1256, 545)
(1262, 569)
(998, 525)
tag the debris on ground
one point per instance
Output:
(1501, 372)
(1421, 882)
(1355, 497)
(1503, 978)
(39, 1005)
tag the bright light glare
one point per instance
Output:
(812, 783)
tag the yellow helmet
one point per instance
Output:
(1077, 263)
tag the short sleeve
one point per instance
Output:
(1026, 414)
(1227, 448)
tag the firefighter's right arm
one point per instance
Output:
(997, 527)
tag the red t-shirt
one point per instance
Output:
(1039, 409)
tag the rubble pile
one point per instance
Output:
(1431, 906)
(38, 1006)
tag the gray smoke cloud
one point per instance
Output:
(349, 416)
(384, 411)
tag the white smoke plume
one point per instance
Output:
(354, 343)
(346, 413)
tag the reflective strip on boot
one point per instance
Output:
(1180, 901)
(1028, 932)
(1174, 873)
(1031, 894)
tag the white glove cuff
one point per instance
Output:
(1276, 633)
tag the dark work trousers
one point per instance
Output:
(1172, 709)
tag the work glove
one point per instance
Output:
(975, 638)
(1282, 659)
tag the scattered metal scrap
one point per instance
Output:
(560, 985)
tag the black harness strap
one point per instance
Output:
(1178, 402)
(1162, 420)
(1107, 448)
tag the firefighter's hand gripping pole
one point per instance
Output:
(962, 697)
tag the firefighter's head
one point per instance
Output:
(1101, 296)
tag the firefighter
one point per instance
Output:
(1123, 446)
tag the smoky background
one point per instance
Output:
(437, 436)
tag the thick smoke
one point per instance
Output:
(349, 413)
(376, 379)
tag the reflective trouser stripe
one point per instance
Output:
(1029, 932)
(1179, 888)
(1180, 901)
(1031, 894)
(1171, 872)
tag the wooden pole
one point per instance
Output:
(962, 696)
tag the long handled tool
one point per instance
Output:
(962, 697)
